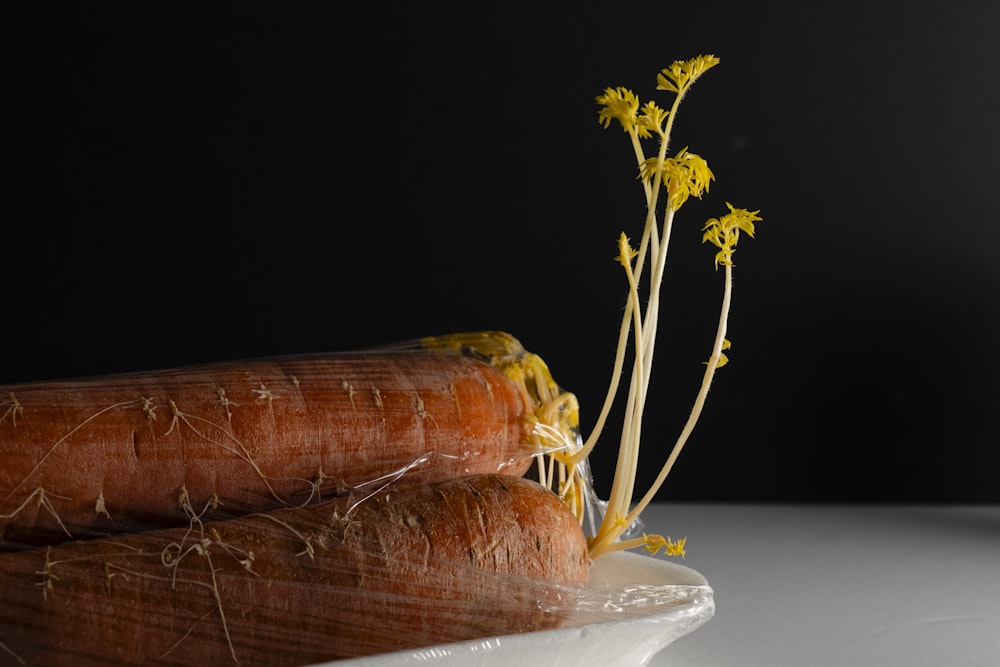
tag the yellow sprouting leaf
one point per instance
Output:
(625, 251)
(651, 120)
(693, 180)
(654, 543)
(684, 175)
(724, 232)
(649, 167)
(682, 73)
(723, 359)
(619, 104)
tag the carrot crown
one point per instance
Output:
(553, 414)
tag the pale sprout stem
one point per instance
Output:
(669, 126)
(658, 254)
(625, 471)
(541, 462)
(656, 279)
(623, 484)
(615, 383)
(613, 524)
(631, 442)
(657, 251)
(699, 404)
(640, 157)
(647, 188)
(649, 240)
(542, 388)
(649, 243)
(609, 398)
(633, 543)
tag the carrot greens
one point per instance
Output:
(668, 181)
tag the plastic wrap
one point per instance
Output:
(616, 623)
(280, 589)
(225, 439)
(277, 582)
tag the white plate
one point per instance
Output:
(624, 623)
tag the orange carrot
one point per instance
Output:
(89, 457)
(446, 561)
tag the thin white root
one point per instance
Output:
(315, 487)
(14, 409)
(237, 448)
(6, 649)
(226, 403)
(46, 574)
(266, 395)
(175, 553)
(306, 539)
(244, 557)
(377, 395)
(100, 507)
(421, 411)
(346, 386)
(188, 634)
(44, 502)
(379, 484)
(64, 438)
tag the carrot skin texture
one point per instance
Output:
(447, 561)
(99, 456)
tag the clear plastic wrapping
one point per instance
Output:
(225, 439)
(615, 623)
(304, 586)
(317, 568)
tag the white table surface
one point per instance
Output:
(845, 585)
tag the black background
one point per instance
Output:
(207, 181)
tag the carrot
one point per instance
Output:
(446, 561)
(89, 457)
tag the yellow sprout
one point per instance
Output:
(619, 104)
(654, 543)
(625, 251)
(724, 232)
(683, 175)
(723, 359)
(682, 73)
(653, 119)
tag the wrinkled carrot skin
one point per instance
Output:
(454, 560)
(92, 457)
